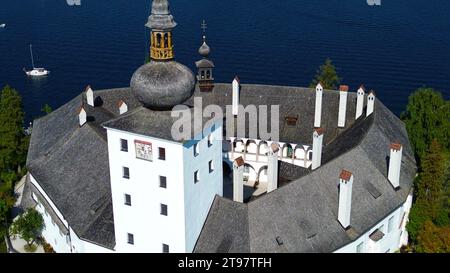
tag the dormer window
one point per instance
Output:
(291, 121)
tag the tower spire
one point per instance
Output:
(205, 66)
(161, 23)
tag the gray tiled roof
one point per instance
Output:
(71, 165)
(303, 213)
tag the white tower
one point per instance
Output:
(318, 111)
(345, 198)
(236, 94)
(317, 148)
(360, 102)
(343, 92)
(370, 103)
(395, 164)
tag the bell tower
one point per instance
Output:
(161, 23)
(205, 66)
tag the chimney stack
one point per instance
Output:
(343, 92)
(370, 103)
(89, 96)
(318, 113)
(82, 116)
(123, 107)
(395, 164)
(317, 148)
(360, 102)
(272, 167)
(238, 180)
(345, 198)
(236, 94)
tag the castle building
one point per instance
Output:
(108, 175)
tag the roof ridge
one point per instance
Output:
(137, 109)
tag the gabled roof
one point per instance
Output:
(71, 164)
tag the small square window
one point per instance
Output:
(124, 145)
(196, 177)
(127, 199)
(126, 172)
(163, 209)
(165, 248)
(162, 182)
(196, 149)
(130, 238)
(390, 224)
(162, 154)
(211, 166)
(291, 121)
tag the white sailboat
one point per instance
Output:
(2, 25)
(37, 71)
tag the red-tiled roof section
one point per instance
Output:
(319, 131)
(345, 175)
(239, 161)
(396, 146)
(275, 147)
(343, 88)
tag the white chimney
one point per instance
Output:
(123, 107)
(82, 116)
(318, 114)
(345, 198)
(236, 94)
(238, 180)
(370, 103)
(343, 92)
(89, 96)
(360, 102)
(395, 164)
(317, 148)
(272, 167)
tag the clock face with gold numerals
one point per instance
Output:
(143, 150)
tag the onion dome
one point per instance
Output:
(162, 85)
(204, 50)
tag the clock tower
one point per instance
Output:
(162, 189)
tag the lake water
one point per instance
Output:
(393, 48)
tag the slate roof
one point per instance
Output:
(71, 165)
(303, 213)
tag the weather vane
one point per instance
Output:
(204, 26)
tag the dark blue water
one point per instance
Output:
(392, 49)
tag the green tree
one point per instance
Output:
(430, 186)
(427, 118)
(47, 109)
(433, 239)
(417, 217)
(28, 226)
(11, 130)
(327, 76)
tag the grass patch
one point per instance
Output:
(31, 248)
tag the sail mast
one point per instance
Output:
(32, 60)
